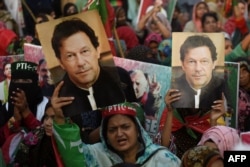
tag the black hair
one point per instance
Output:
(69, 27)
(244, 62)
(105, 130)
(67, 6)
(195, 41)
(41, 61)
(208, 14)
(6, 63)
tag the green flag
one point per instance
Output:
(69, 144)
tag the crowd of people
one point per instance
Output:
(95, 115)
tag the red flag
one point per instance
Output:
(10, 147)
(144, 4)
(107, 14)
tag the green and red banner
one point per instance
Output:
(107, 15)
(144, 4)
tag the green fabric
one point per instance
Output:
(170, 9)
(6, 91)
(189, 130)
(67, 137)
(2, 163)
(235, 2)
(101, 7)
(236, 53)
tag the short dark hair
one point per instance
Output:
(5, 64)
(69, 27)
(195, 41)
(208, 14)
(66, 8)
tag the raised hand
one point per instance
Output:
(154, 86)
(172, 96)
(19, 100)
(58, 102)
(218, 110)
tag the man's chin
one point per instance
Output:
(199, 85)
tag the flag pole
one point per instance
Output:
(118, 42)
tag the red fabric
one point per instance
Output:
(127, 34)
(194, 122)
(241, 25)
(144, 4)
(109, 24)
(57, 154)
(31, 122)
(245, 137)
(233, 23)
(229, 26)
(144, 98)
(122, 108)
(10, 145)
(6, 37)
(163, 119)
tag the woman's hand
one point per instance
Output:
(218, 110)
(21, 106)
(172, 96)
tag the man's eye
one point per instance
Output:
(191, 62)
(70, 57)
(204, 62)
(85, 51)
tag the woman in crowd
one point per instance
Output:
(202, 156)
(184, 126)
(194, 25)
(223, 138)
(123, 139)
(153, 21)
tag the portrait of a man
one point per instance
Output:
(87, 84)
(196, 77)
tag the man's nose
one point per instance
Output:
(198, 66)
(80, 60)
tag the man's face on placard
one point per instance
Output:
(140, 83)
(198, 66)
(79, 59)
(7, 71)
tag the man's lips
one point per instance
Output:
(82, 71)
(198, 76)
